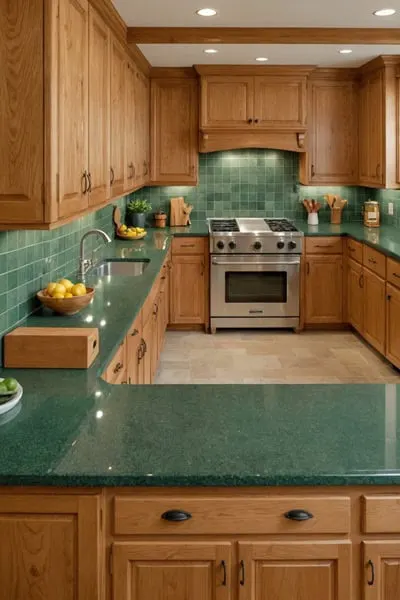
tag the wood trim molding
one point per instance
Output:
(173, 73)
(139, 58)
(111, 16)
(249, 70)
(333, 74)
(212, 141)
(380, 62)
(261, 35)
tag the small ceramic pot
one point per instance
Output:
(160, 220)
(313, 218)
(137, 219)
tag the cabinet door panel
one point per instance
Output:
(333, 132)
(133, 351)
(301, 570)
(324, 289)
(174, 158)
(118, 121)
(279, 102)
(50, 547)
(142, 150)
(227, 102)
(99, 109)
(146, 368)
(355, 296)
(188, 290)
(130, 127)
(374, 310)
(376, 126)
(21, 111)
(384, 558)
(393, 325)
(174, 570)
(73, 106)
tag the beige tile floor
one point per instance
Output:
(251, 356)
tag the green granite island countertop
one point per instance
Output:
(73, 429)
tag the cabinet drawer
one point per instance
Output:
(355, 250)
(230, 515)
(381, 514)
(116, 370)
(375, 261)
(188, 245)
(324, 245)
(393, 272)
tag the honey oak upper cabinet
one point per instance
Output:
(195, 570)
(377, 130)
(99, 109)
(21, 112)
(174, 131)
(142, 128)
(50, 547)
(130, 126)
(287, 570)
(118, 117)
(332, 156)
(270, 98)
(73, 113)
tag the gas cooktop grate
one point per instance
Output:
(224, 225)
(280, 225)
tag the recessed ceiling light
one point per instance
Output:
(261, 59)
(206, 12)
(384, 12)
(345, 51)
(210, 51)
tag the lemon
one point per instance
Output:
(58, 289)
(78, 289)
(58, 295)
(68, 295)
(66, 283)
(50, 288)
(123, 228)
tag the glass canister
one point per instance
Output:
(372, 217)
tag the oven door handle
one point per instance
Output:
(254, 264)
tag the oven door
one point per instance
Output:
(255, 286)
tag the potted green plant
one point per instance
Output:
(136, 212)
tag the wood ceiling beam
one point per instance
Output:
(261, 35)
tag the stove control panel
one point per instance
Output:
(250, 244)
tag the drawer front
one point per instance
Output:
(381, 514)
(324, 245)
(355, 250)
(188, 245)
(116, 370)
(375, 261)
(230, 515)
(393, 272)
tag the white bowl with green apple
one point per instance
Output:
(10, 394)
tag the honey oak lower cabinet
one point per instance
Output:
(309, 570)
(50, 547)
(381, 573)
(374, 310)
(355, 295)
(324, 289)
(134, 349)
(393, 325)
(179, 570)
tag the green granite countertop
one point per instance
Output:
(73, 429)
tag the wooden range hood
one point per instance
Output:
(253, 107)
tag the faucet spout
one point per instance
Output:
(86, 263)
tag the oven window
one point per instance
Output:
(251, 287)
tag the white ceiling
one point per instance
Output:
(257, 13)
(186, 55)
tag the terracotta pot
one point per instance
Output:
(160, 220)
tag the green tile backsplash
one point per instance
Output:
(30, 259)
(384, 197)
(252, 183)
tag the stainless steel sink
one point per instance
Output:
(124, 268)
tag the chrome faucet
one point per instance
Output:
(86, 263)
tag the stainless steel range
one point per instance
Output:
(255, 273)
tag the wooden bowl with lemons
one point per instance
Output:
(65, 297)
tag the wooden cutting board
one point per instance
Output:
(51, 347)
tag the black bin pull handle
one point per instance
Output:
(176, 516)
(370, 564)
(298, 514)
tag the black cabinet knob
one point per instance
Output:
(298, 514)
(176, 515)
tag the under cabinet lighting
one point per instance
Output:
(384, 12)
(345, 51)
(261, 59)
(210, 51)
(206, 12)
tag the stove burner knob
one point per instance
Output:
(257, 246)
(280, 245)
(292, 245)
(220, 245)
(232, 245)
